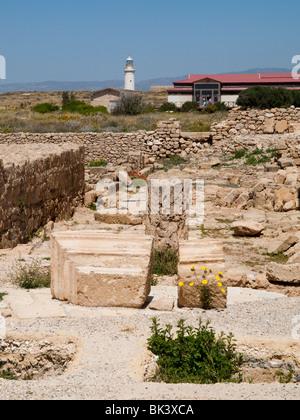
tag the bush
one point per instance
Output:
(195, 355)
(189, 106)
(211, 109)
(263, 97)
(97, 163)
(45, 108)
(83, 108)
(129, 104)
(165, 262)
(31, 275)
(167, 107)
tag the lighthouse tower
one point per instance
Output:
(129, 75)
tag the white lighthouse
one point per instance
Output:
(129, 75)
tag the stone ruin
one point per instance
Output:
(38, 183)
(46, 182)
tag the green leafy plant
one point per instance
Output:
(21, 205)
(194, 355)
(165, 262)
(8, 376)
(83, 108)
(97, 163)
(263, 97)
(45, 108)
(31, 275)
(285, 378)
(2, 296)
(189, 106)
(167, 107)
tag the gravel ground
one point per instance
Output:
(112, 355)
(111, 358)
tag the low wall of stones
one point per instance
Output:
(167, 140)
(38, 183)
(254, 121)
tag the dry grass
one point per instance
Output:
(24, 120)
(16, 116)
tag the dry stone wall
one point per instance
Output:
(167, 140)
(38, 183)
(254, 121)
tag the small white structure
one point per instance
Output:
(129, 75)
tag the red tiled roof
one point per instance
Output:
(260, 78)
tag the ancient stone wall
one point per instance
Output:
(167, 140)
(38, 183)
(254, 121)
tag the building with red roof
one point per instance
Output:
(226, 88)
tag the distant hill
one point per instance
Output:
(261, 70)
(51, 86)
(145, 85)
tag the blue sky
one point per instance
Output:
(90, 40)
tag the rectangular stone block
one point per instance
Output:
(96, 268)
(198, 253)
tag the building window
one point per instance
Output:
(206, 93)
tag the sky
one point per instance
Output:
(75, 40)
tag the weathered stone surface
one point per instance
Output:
(287, 273)
(208, 253)
(38, 183)
(281, 126)
(163, 304)
(118, 219)
(269, 126)
(283, 243)
(282, 197)
(92, 268)
(247, 228)
(167, 216)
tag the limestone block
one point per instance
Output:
(96, 268)
(269, 125)
(200, 253)
(283, 196)
(247, 228)
(284, 273)
(281, 126)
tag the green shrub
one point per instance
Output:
(217, 107)
(45, 108)
(194, 355)
(83, 108)
(31, 275)
(167, 107)
(189, 106)
(97, 163)
(259, 156)
(165, 262)
(2, 296)
(129, 104)
(263, 97)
